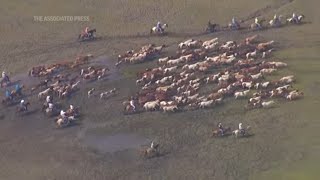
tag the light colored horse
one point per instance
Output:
(238, 133)
(234, 26)
(292, 21)
(64, 122)
(157, 31)
(274, 23)
(150, 152)
(255, 26)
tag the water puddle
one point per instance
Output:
(114, 143)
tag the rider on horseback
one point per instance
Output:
(23, 105)
(234, 22)
(71, 110)
(48, 99)
(295, 18)
(4, 74)
(159, 27)
(132, 104)
(241, 129)
(276, 19)
(257, 22)
(5, 78)
(210, 26)
(63, 114)
(221, 129)
(86, 31)
(8, 94)
(18, 89)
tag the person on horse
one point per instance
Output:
(5, 78)
(159, 27)
(221, 129)
(48, 99)
(23, 105)
(210, 26)
(234, 22)
(4, 75)
(295, 18)
(63, 114)
(8, 94)
(71, 109)
(242, 131)
(276, 19)
(18, 89)
(257, 22)
(86, 31)
(132, 104)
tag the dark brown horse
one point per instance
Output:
(90, 35)
(150, 152)
(23, 108)
(218, 133)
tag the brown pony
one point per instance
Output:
(217, 132)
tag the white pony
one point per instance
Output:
(275, 23)
(63, 122)
(237, 132)
(157, 31)
(291, 20)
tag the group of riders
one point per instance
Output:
(234, 24)
(222, 130)
(87, 33)
(9, 95)
(258, 22)
(49, 106)
(23, 105)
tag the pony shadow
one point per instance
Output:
(30, 112)
(72, 124)
(226, 135)
(159, 155)
(248, 136)
(162, 154)
(132, 113)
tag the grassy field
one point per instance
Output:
(286, 141)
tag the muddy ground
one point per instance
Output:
(104, 143)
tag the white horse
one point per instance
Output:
(299, 20)
(237, 132)
(158, 31)
(275, 23)
(63, 122)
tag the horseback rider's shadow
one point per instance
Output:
(30, 112)
(248, 135)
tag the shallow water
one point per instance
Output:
(114, 143)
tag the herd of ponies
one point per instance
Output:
(203, 74)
